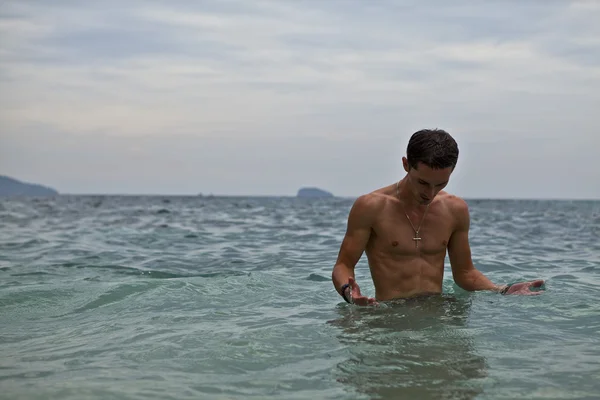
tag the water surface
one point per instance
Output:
(231, 298)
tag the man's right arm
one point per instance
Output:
(358, 231)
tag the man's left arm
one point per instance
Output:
(463, 271)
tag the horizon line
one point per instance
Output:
(211, 195)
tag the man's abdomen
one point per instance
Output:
(407, 277)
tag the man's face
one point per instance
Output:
(426, 182)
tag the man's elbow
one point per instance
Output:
(465, 280)
(465, 285)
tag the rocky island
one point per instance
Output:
(312, 192)
(10, 187)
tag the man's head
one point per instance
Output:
(433, 147)
(431, 156)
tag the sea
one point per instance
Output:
(158, 297)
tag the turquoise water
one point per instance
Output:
(231, 298)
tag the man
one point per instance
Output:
(406, 228)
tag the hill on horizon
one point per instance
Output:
(313, 192)
(13, 187)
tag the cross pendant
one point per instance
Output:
(416, 239)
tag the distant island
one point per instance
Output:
(311, 192)
(13, 187)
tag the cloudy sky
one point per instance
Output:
(262, 97)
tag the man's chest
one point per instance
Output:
(396, 235)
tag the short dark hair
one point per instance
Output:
(433, 147)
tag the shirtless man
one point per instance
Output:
(405, 229)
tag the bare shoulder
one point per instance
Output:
(456, 204)
(369, 204)
(457, 207)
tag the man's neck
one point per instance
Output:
(406, 197)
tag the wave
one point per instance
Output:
(153, 274)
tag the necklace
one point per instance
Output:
(417, 238)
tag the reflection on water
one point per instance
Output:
(418, 348)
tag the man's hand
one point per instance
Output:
(356, 297)
(526, 288)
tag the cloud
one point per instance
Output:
(272, 72)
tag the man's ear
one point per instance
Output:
(405, 164)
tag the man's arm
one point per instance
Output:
(358, 232)
(464, 273)
(459, 251)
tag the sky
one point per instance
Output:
(263, 97)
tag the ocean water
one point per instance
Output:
(231, 298)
